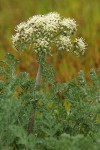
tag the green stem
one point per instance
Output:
(31, 122)
(39, 76)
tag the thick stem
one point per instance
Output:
(32, 117)
(39, 76)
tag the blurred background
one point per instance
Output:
(85, 12)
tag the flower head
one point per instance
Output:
(64, 43)
(21, 27)
(40, 31)
(52, 22)
(80, 46)
(68, 25)
(36, 21)
(41, 45)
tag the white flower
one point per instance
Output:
(29, 30)
(42, 45)
(69, 24)
(80, 46)
(28, 34)
(64, 43)
(40, 31)
(47, 22)
(52, 22)
(21, 26)
(36, 21)
(53, 16)
(15, 38)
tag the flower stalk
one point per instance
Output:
(39, 76)
(31, 122)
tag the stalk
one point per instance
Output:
(31, 122)
(39, 76)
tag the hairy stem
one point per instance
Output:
(32, 117)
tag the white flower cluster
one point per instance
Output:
(51, 22)
(64, 43)
(80, 46)
(40, 31)
(20, 27)
(68, 25)
(41, 45)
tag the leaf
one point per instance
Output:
(50, 104)
(19, 132)
(1, 70)
(1, 84)
(67, 106)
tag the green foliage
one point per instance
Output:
(67, 115)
